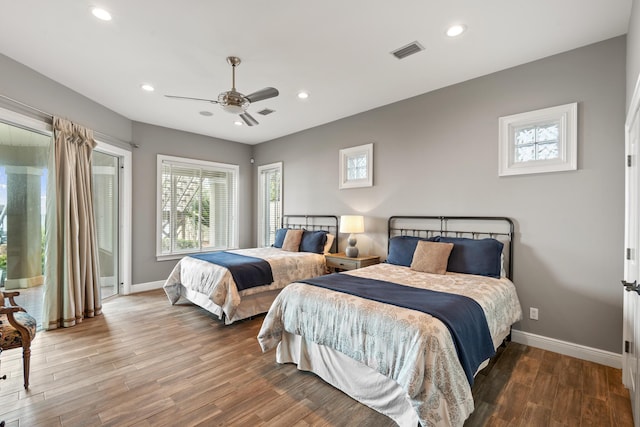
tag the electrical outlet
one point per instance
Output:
(533, 313)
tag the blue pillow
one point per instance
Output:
(474, 256)
(313, 241)
(281, 233)
(401, 249)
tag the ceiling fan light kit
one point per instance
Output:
(235, 102)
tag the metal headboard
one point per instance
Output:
(328, 223)
(474, 227)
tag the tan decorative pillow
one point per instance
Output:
(329, 243)
(292, 240)
(431, 257)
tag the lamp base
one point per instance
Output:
(351, 251)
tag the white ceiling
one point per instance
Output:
(339, 51)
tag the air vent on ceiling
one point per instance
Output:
(407, 50)
(266, 111)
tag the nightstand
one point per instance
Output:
(340, 262)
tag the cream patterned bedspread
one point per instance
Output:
(411, 347)
(216, 282)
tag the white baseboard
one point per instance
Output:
(149, 286)
(602, 357)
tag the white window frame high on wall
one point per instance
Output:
(264, 224)
(232, 208)
(349, 156)
(566, 118)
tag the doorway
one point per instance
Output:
(24, 151)
(106, 203)
(631, 310)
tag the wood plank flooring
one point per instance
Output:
(147, 363)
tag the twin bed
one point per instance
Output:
(392, 356)
(214, 287)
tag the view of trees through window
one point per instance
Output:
(198, 205)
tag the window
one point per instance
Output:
(539, 141)
(269, 202)
(197, 209)
(356, 166)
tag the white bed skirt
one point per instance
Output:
(250, 305)
(380, 393)
(355, 379)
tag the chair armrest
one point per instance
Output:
(11, 296)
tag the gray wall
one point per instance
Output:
(31, 88)
(633, 49)
(436, 154)
(154, 140)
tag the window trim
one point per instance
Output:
(345, 154)
(187, 162)
(567, 117)
(261, 208)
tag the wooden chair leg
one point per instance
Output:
(26, 364)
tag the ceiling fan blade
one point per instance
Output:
(250, 121)
(266, 93)
(213, 101)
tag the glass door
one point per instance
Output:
(106, 201)
(23, 198)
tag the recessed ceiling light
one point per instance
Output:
(147, 87)
(206, 113)
(456, 30)
(101, 14)
(237, 123)
(303, 95)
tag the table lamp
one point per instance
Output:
(352, 224)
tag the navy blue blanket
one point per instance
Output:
(462, 315)
(247, 271)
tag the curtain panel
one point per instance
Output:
(72, 277)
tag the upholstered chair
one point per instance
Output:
(17, 329)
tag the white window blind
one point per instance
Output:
(197, 209)
(269, 202)
(105, 207)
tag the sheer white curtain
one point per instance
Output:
(72, 285)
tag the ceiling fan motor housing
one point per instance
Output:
(233, 102)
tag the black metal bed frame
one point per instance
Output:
(328, 223)
(444, 230)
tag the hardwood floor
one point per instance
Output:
(147, 363)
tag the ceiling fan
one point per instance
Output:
(235, 102)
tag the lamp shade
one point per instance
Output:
(352, 224)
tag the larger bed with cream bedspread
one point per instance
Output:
(400, 362)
